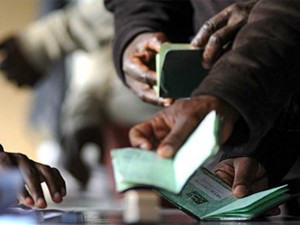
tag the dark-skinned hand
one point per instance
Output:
(216, 35)
(169, 128)
(139, 64)
(34, 174)
(245, 175)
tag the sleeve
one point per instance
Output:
(279, 148)
(61, 32)
(174, 18)
(261, 73)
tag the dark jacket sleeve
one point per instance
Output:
(174, 18)
(279, 148)
(261, 73)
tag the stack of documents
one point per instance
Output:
(184, 182)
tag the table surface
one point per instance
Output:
(168, 216)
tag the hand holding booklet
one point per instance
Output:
(186, 184)
(134, 167)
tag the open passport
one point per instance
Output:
(184, 182)
(179, 70)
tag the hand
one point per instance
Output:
(34, 174)
(246, 175)
(14, 64)
(138, 64)
(219, 31)
(170, 127)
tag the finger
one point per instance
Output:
(245, 172)
(146, 93)
(216, 45)
(54, 181)
(136, 68)
(156, 41)
(140, 136)
(149, 134)
(25, 198)
(32, 179)
(210, 27)
(61, 182)
(176, 137)
(225, 171)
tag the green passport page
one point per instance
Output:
(179, 70)
(205, 196)
(135, 167)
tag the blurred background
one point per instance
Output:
(15, 132)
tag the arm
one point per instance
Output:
(51, 38)
(256, 78)
(260, 74)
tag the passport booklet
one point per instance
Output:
(206, 197)
(179, 70)
(135, 167)
(184, 181)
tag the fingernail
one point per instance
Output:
(28, 201)
(166, 151)
(41, 203)
(57, 197)
(144, 146)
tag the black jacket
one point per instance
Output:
(260, 76)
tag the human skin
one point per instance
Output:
(139, 56)
(34, 174)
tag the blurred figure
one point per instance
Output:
(94, 97)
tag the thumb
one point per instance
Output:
(245, 170)
(175, 139)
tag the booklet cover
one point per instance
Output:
(135, 167)
(179, 70)
(205, 196)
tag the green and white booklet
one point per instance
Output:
(184, 182)
(205, 196)
(135, 167)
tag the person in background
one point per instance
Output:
(81, 33)
(33, 174)
(254, 86)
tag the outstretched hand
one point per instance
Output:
(139, 64)
(216, 35)
(33, 175)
